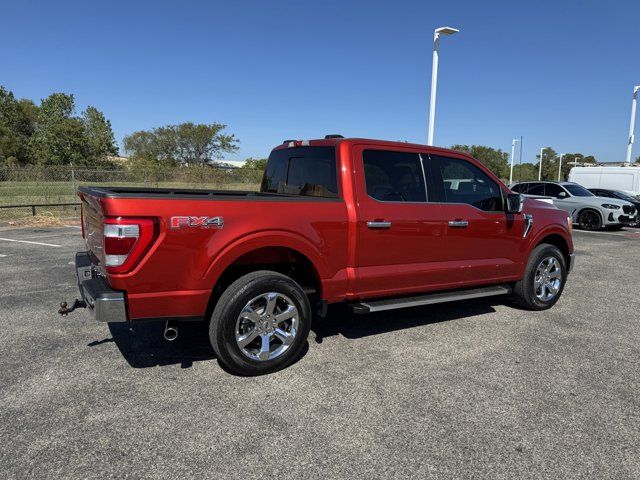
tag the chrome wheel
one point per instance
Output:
(267, 326)
(548, 279)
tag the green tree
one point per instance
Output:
(637, 160)
(100, 139)
(143, 146)
(494, 159)
(524, 172)
(549, 164)
(255, 164)
(202, 143)
(50, 134)
(186, 143)
(17, 124)
(569, 161)
(59, 138)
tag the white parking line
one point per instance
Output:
(2, 255)
(612, 234)
(32, 243)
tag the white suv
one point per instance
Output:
(587, 210)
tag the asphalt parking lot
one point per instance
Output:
(475, 389)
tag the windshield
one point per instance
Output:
(627, 197)
(578, 190)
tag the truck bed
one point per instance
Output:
(193, 194)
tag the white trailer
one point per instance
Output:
(614, 178)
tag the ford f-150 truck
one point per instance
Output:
(376, 224)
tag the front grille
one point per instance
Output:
(629, 209)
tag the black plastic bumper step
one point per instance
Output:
(371, 306)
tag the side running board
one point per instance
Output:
(371, 306)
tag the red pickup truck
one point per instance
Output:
(377, 224)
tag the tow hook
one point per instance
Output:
(64, 310)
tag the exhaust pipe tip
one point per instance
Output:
(170, 333)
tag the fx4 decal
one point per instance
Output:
(203, 222)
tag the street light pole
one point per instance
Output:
(513, 151)
(434, 76)
(633, 121)
(540, 168)
(560, 167)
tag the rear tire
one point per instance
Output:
(544, 278)
(590, 220)
(260, 323)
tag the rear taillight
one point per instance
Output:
(84, 233)
(126, 240)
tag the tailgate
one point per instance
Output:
(92, 225)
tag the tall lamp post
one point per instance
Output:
(560, 167)
(513, 150)
(434, 76)
(540, 168)
(633, 121)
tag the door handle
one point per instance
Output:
(379, 224)
(458, 223)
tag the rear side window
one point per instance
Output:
(535, 189)
(305, 171)
(466, 183)
(394, 176)
(519, 187)
(553, 190)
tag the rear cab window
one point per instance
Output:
(304, 171)
(392, 176)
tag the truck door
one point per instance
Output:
(399, 232)
(481, 241)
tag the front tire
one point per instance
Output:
(544, 278)
(590, 220)
(260, 323)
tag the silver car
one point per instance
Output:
(587, 210)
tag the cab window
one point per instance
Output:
(465, 183)
(304, 171)
(394, 176)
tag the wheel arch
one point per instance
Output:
(593, 209)
(281, 252)
(557, 240)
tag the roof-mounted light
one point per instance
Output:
(298, 143)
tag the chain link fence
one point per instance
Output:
(50, 191)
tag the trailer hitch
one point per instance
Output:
(64, 310)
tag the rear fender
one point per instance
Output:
(264, 239)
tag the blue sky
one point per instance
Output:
(560, 73)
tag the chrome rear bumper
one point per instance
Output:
(104, 303)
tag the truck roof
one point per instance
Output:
(332, 142)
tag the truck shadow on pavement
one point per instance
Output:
(341, 321)
(143, 345)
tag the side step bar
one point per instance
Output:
(371, 306)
